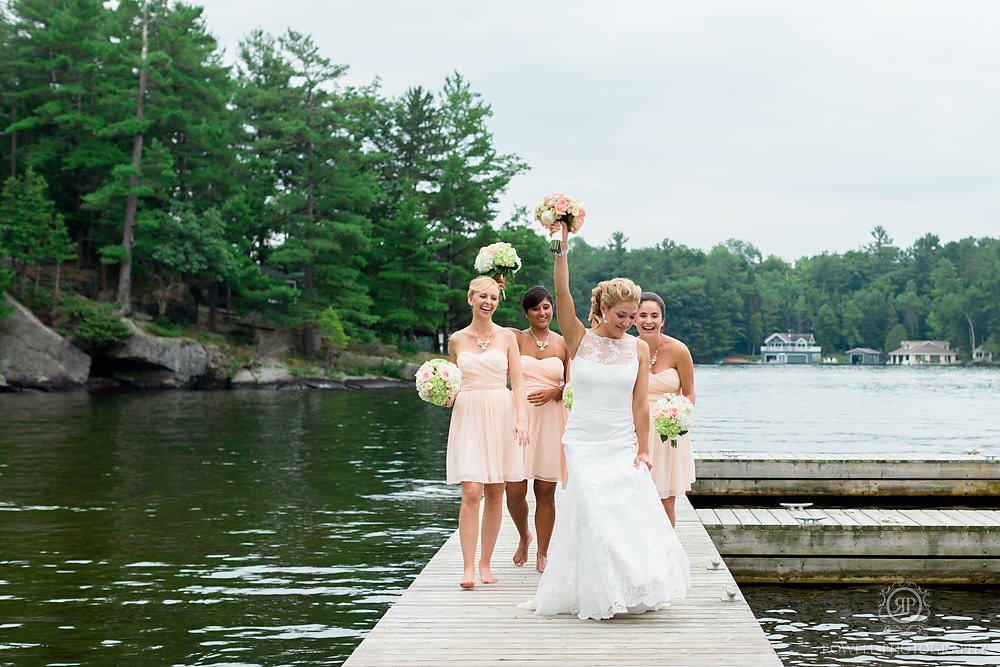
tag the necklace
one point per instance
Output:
(652, 360)
(542, 344)
(483, 344)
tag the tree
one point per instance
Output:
(895, 338)
(124, 293)
(473, 175)
(30, 228)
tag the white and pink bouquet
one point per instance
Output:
(567, 397)
(500, 257)
(672, 417)
(438, 381)
(559, 207)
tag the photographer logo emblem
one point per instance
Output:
(903, 606)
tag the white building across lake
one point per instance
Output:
(790, 348)
(923, 353)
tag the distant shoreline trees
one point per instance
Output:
(140, 167)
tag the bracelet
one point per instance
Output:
(561, 253)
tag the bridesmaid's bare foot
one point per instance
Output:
(468, 578)
(521, 554)
(486, 575)
(541, 561)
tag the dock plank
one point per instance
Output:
(435, 623)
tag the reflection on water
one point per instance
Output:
(276, 527)
(207, 528)
(824, 626)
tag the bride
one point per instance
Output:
(611, 550)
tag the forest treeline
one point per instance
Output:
(141, 169)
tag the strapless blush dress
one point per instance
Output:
(673, 467)
(543, 457)
(481, 444)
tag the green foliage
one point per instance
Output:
(91, 323)
(31, 230)
(164, 327)
(331, 330)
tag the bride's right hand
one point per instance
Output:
(643, 459)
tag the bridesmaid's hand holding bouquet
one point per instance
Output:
(438, 382)
(672, 417)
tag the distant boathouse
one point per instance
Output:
(790, 348)
(923, 353)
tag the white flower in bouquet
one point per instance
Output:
(500, 257)
(438, 381)
(672, 417)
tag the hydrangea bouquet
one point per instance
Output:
(672, 417)
(438, 381)
(559, 207)
(567, 397)
(500, 257)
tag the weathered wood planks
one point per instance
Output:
(858, 545)
(854, 475)
(436, 623)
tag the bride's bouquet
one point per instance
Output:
(560, 207)
(438, 381)
(672, 417)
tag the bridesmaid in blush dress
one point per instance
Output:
(545, 362)
(488, 425)
(671, 371)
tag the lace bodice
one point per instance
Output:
(608, 351)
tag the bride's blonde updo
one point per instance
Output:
(480, 283)
(608, 293)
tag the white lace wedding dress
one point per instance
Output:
(613, 550)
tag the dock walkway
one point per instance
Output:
(858, 545)
(941, 476)
(436, 623)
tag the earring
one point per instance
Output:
(605, 319)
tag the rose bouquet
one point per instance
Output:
(672, 417)
(559, 207)
(438, 381)
(567, 397)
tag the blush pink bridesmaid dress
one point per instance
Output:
(673, 467)
(543, 456)
(481, 444)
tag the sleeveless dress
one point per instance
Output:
(673, 467)
(611, 550)
(543, 456)
(481, 444)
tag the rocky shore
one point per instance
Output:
(34, 357)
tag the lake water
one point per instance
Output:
(260, 528)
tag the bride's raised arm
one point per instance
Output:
(569, 324)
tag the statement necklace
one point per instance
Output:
(542, 344)
(483, 344)
(652, 360)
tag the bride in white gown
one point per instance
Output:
(612, 551)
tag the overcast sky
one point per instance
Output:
(797, 126)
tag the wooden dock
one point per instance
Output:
(436, 623)
(926, 546)
(879, 475)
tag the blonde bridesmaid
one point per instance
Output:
(671, 371)
(488, 425)
(545, 362)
